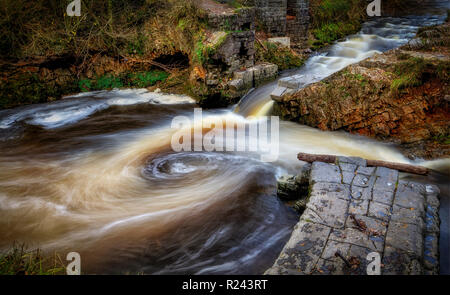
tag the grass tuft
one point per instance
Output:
(20, 261)
(415, 71)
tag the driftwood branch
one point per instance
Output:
(151, 62)
(260, 43)
(374, 163)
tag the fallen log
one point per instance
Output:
(374, 163)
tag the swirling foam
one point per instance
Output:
(80, 106)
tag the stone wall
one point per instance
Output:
(272, 15)
(230, 66)
(284, 18)
(297, 20)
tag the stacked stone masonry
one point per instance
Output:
(354, 210)
(282, 17)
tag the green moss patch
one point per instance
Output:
(282, 56)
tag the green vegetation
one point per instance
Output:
(335, 19)
(415, 71)
(328, 33)
(109, 81)
(26, 87)
(39, 31)
(363, 81)
(442, 138)
(19, 261)
(235, 3)
(204, 51)
(409, 73)
(114, 27)
(283, 57)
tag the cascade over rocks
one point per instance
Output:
(401, 96)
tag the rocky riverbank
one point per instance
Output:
(351, 211)
(400, 96)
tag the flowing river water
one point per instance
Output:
(95, 173)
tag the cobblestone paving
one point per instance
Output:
(354, 210)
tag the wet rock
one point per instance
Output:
(287, 188)
(302, 179)
(406, 237)
(431, 253)
(284, 41)
(366, 170)
(302, 251)
(323, 172)
(300, 205)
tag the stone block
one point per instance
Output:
(289, 82)
(352, 160)
(245, 76)
(365, 170)
(385, 184)
(358, 207)
(362, 180)
(347, 167)
(433, 200)
(374, 227)
(347, 177)
(390, 174)
(324, 172)
(283, 41)
(380, 211)
(302, 251)
(357, 237)
(361, 193)
(405, 237)
(398, 262)
(431, 252)
(327, 211)
(236, 84)
(432, 221)
(407, 215)
(329, 267)
(278, 93)
(407, 196)
(330, 190)
(384, 197)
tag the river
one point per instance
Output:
(95, 173)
